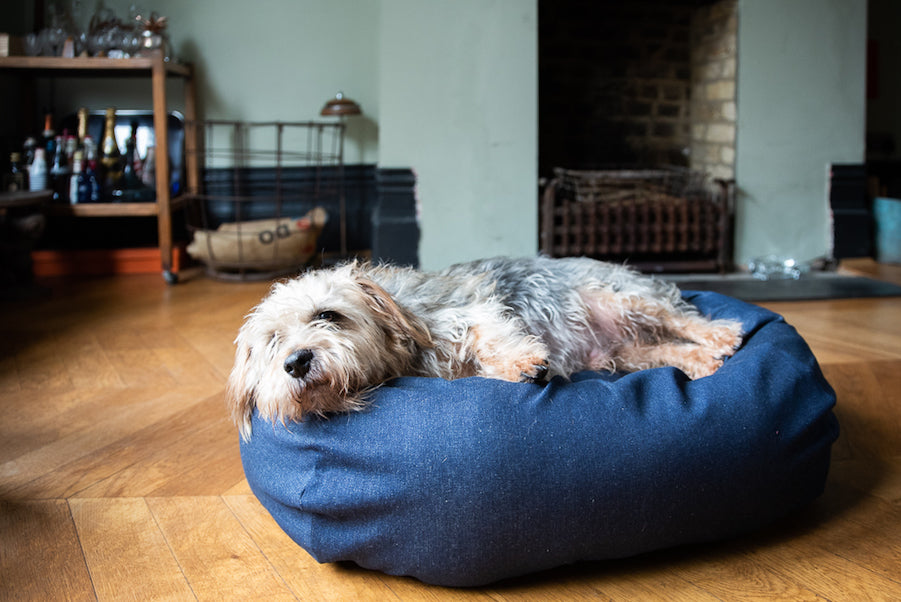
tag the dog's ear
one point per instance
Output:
(402, 326)
(240, 388)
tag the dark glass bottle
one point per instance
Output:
(15, 180)
(131, 179)
(60, 172)
(77, 176)
(89, 184)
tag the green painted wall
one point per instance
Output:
(458, 98)
(801, 106)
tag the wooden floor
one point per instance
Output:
(120, 476)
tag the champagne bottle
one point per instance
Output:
(81, 131)
(110, 156)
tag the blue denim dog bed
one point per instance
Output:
(467, 482)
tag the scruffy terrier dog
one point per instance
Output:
(318, 343)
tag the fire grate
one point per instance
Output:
(659, 220)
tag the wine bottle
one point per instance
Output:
(60, 172)
(131, 178)
(14, 181)
(49, 133)
(77, 177)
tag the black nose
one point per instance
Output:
(298, 363)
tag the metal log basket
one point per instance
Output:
(265, 190)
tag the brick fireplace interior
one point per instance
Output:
(637, 82)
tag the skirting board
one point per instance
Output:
(101, 262)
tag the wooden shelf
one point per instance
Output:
(158, 70)
(92, 65)
(25, 198)
(112, 209)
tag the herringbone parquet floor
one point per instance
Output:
(120, 476)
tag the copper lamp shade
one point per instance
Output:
(340, 106)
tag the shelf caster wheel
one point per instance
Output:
(170, 277)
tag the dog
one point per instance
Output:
(318, 343)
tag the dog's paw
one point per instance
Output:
(699, 365)
(721, 340)
(725, 338)
(526, 370)
(535, 373)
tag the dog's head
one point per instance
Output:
(317, 343)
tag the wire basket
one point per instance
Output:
(267, 190)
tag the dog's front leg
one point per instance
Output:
(504, 350)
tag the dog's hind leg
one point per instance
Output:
(702, 355)
(649, 334)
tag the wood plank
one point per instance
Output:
(313, 581)
(865, 532)
(126, 553)
(40, 555)
(859, 330)
(99, 262)
(308, 579)
(864, 391)
(729, 579)
(87, 433)
(24, 198)
(214, 551)
(647, 577)
(878, 477)
(105, 210)
(826, 573)
(172, 457)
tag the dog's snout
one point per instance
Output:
(298, 363)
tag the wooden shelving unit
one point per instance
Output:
(159, 71)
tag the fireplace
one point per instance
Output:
(633, 88)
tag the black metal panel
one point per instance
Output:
(395, 228)
(852, 221)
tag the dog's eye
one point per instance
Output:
(329, 316)
(272, 339)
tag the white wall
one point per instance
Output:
(801, 106)
(458, 98)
